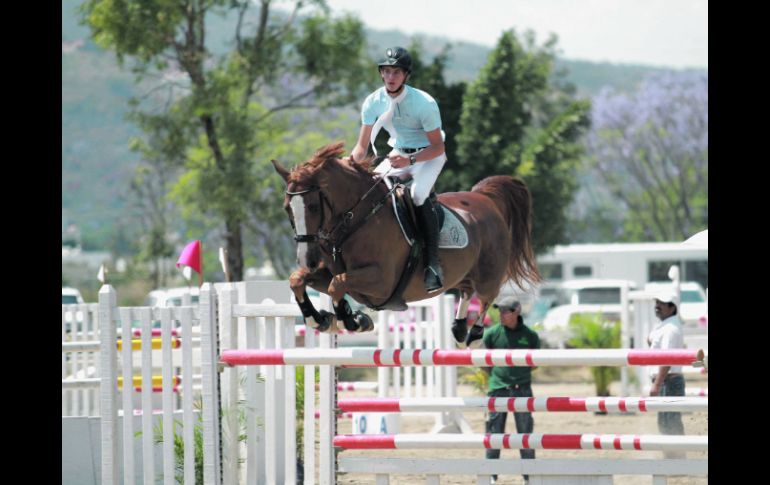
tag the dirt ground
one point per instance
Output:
(545, 422)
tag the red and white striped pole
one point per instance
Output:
(367, 357)
(526, 404)
(531, 441)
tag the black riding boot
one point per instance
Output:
(429, 224)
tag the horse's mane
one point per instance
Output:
(331, 152)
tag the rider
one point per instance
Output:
(412, 119)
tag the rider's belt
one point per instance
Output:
(411, 150)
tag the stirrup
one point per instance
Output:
(437, 284)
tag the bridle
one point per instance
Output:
(326, 239)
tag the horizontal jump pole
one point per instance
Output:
(369, 357)
(356, 386)
(525, 404)
(688, 391)
(531, 441)
(537, 466)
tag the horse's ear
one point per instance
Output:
(281, 170)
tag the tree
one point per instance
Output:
(521, 118)
(650, 150)
(230, 108)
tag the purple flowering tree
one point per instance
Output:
(649, 149)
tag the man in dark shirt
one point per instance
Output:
(510, 333)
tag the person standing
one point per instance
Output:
(412, 119)
(514, 381)
(667, 380)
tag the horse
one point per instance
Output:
(347, 245)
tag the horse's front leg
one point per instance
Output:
(298, 281)
(365, 280)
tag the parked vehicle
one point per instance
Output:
(71, 296)
(166, 297)
(585, 296)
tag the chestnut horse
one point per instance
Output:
(346, 245)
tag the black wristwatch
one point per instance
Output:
(412, 159)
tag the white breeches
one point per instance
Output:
(424, 174)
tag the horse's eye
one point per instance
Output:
(312, 208)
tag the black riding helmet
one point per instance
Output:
(397, 57)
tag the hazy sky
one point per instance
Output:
(671, 33)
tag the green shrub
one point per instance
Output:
(593, 331)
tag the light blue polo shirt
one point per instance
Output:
(415, 115)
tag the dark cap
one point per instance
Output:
(507, 302)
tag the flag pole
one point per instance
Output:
(223, 262)
(200, 265)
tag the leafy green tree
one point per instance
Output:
(521, 118)
(230, 109)
(649, 149)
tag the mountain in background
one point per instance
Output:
(96, 161)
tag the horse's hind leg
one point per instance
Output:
(460, 325)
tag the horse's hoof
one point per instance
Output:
(327, 321)
(351, 325)
(365, 323)
(473, 340)
(460, 330)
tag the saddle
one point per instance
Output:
(453, 235)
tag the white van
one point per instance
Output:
(583, 296)
(166, 297)
(71, 296)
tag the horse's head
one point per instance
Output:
(318, 194)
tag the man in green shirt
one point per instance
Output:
(510, 333)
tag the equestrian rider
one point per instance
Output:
(412, 119)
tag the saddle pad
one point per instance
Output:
(453, 234)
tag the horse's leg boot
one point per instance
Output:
(473, 341)
(429, 225)
(460, 330)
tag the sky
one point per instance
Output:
(665, 33)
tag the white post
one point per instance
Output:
(209, 369)
(188, 417)
(309, 421)
(167, 373)
(108, 388)
(148, 441)
(383, 338)
(127, 370)
(286, 339)
(229, 328)
(625, 338)
(327, 395)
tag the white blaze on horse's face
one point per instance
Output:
(297, 204)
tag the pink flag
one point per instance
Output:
(191, 256)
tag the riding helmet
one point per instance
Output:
(397, 57)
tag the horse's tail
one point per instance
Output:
(513, 199)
